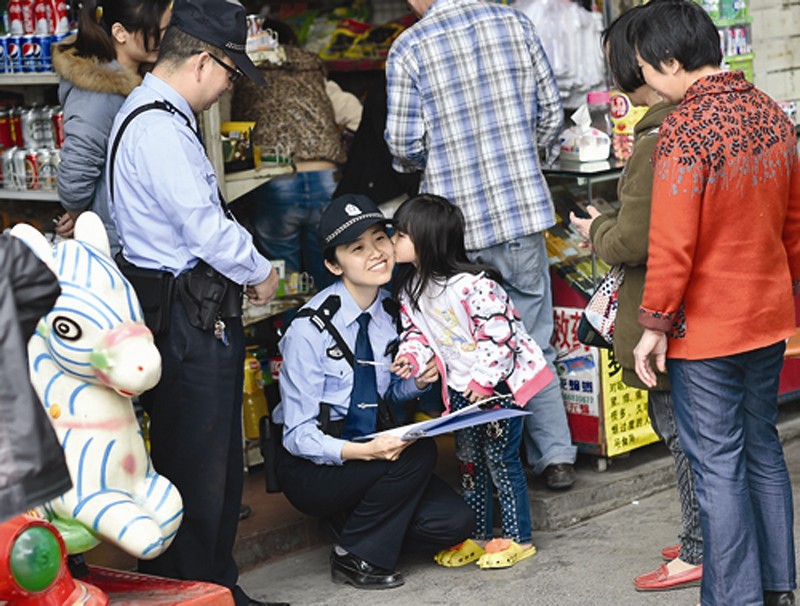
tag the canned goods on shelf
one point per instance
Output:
(44, 165)
(31, 53)
(32, 169)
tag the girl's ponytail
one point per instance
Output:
(98, 16)
(94, 32)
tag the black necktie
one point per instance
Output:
(363, 412)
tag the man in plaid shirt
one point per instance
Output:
(471, 99)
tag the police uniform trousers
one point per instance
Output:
(390, 505)
(196, 441)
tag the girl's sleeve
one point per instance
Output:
(413, 344)
(494, 327)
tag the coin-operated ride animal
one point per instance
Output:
(89, 356)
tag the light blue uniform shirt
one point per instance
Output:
(166, 204)
(312, 373)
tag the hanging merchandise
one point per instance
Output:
(570, 37)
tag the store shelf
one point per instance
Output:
(252, 314)
(239, 183)
(31, 196)
(585, 172)
(28, 79)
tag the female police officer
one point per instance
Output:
(336, 386)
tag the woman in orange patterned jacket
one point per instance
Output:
(723, 261)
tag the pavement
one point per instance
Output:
(592, 541)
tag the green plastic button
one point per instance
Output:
(35, 559)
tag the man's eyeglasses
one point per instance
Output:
(233, 73)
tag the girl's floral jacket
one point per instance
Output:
(503, 351)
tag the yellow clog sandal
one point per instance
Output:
(503, 553)
(459, 555)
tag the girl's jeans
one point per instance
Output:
(489, 458)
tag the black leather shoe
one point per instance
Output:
(559, 476)
(361, 574)
(778, 598)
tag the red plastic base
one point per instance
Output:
(134, 589)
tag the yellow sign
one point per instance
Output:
(625, 420)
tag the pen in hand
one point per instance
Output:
(372, 363)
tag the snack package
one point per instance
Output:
(237, 152)
(624, 116)
(582, 142)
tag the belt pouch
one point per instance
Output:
(202, 291)
(154, 289)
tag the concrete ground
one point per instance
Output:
(590, 563)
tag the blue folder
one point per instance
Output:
(466, 417)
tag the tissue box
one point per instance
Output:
(589, 145)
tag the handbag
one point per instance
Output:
(154, 289)
(596, 327)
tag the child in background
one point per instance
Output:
(456, 312)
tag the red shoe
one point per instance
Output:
(671, 552)
(661, 580)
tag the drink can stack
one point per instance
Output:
(30, 142)
(33, 26)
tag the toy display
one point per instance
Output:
(90, 355)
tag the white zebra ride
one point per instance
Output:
(90, 355)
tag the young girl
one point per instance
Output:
(98, 68)
(456, 312)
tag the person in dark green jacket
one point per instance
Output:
(622, 238)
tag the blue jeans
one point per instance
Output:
(285, 217)
(526, 274)
(488, 455)
(726, 409)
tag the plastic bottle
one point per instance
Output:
(254, 404)
(600, 111)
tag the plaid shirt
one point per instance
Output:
(471, 98)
